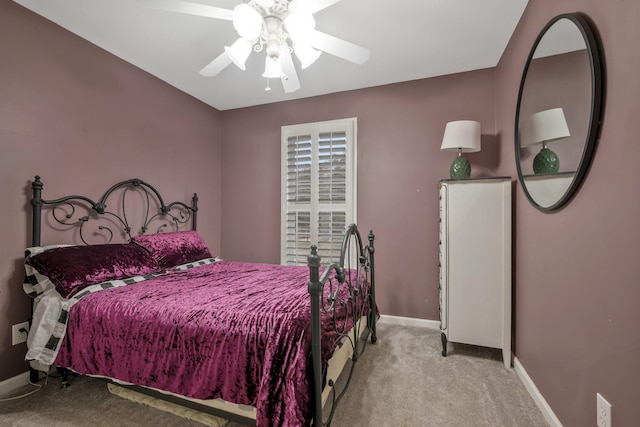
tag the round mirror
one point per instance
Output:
(558, 113)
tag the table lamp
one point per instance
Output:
(462, 136)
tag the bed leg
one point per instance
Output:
(374, 336)
(34, 376)
(64, 372)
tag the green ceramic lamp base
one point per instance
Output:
(460, 168)
(546, 161)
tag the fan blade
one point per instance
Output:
(190, 8)
(217, 65)
(338, 47)
(317, 5)
(290, 82)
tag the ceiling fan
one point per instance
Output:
(277, 27)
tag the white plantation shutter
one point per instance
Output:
(318, 188)
(331, 228)
(298, 173)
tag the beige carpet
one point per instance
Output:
(411, 384)
(401, 381)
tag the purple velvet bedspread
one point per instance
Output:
(229, 330)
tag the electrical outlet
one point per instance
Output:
(19, 333)
(603, 409)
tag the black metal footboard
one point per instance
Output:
(361, 299)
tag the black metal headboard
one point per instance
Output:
(79, 211)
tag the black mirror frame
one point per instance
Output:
(597, 90)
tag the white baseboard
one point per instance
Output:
(8, 385)
(540, 401)
(409, 321)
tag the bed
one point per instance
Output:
(143, 303)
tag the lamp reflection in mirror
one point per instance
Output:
(541, 128)
(461, 136)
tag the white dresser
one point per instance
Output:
(475, 263)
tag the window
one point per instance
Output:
(318, 189)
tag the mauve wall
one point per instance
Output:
(83, 120)
(577, 299)
(400, 129)
(577, 271)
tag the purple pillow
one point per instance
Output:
(73, 268)
(173, 249)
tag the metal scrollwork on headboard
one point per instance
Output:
(65, 211)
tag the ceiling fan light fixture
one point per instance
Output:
(247, 21)
(272, 68)
(239, 52)
(306, 54)
(277, 28)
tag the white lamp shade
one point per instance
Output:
(300, 26)
(544, 126)
(239, 52)
(272, 68)
(462, 135)
(247, 21)
(306, 54)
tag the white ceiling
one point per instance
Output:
(409, 40)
